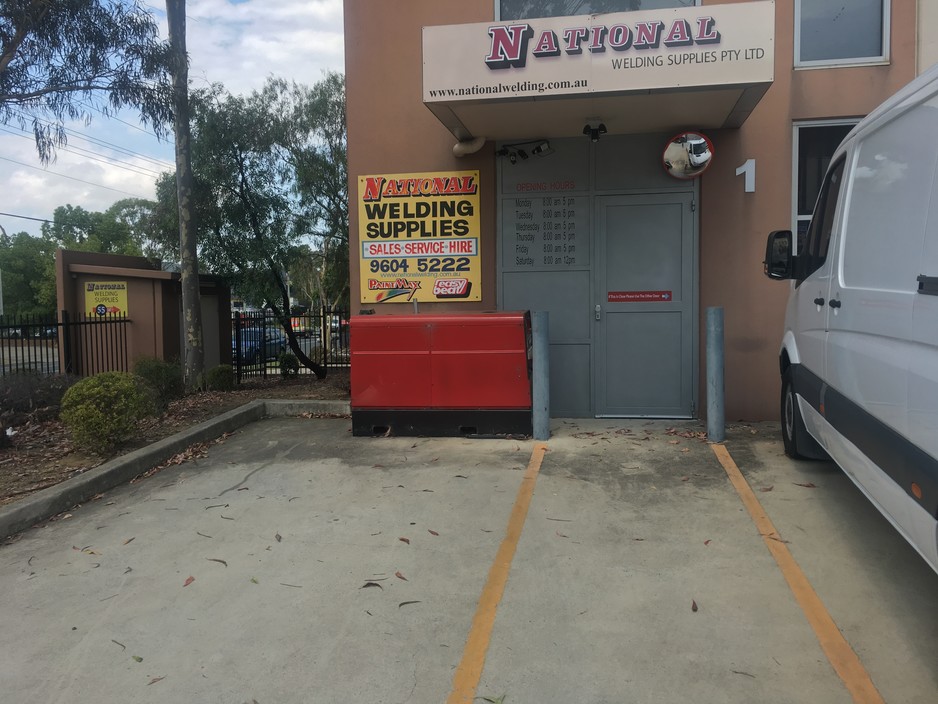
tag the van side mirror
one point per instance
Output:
(779, 260)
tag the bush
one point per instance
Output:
(165, 378)
(289, 364)
(102, 411)
(221, 378)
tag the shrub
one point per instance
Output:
(102, 411)
(165, 378)
(221, 378)
(289, 364)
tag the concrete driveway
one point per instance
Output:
(618, 563)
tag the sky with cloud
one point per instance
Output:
(235, 42)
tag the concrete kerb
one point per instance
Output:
(46, 503)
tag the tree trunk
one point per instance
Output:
(194, 367)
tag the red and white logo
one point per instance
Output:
(451, 288)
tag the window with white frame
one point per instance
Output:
(527, 9)
(835, 32)
(814, 146)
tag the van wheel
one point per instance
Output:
(793, 430)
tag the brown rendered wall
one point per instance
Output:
(153, 303)
(734, 224)
(391, 131)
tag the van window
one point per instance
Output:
(814, 251)
(892, 186)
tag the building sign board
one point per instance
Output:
(709, 45)
(105, 298)
(419, 237)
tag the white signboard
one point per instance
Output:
(710, 45)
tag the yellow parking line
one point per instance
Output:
(838, 651)
(469, 672)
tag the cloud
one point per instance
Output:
(238, 44)
(241, 44)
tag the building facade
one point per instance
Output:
(617, 163)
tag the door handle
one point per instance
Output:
(834, 303)
(598, 314)
(819, 301)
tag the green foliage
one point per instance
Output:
(221, 378)
(67, 59)
(28, 267)
(164, 377)
(102, 411)
(289, 364)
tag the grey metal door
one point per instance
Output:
(645, 305)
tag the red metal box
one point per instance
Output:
(466, 373)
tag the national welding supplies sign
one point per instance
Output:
(106, 298)
(419, 237)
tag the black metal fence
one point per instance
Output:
(82, 345)
(258, 339)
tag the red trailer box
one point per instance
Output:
(443, 375)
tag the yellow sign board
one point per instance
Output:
(419, 237)
(106, 298)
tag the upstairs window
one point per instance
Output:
(527, 9)
(840, 32)
(815, 144)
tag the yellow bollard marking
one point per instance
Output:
(469, 672)
(838, 651)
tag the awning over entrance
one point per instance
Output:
(657, 70)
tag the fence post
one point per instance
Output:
(65, 353)
(237, 356)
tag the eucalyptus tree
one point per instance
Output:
(67, 59)
(245, 155)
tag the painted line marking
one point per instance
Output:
(469, 672)
(838, 651)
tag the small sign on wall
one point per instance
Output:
(638, 296)
(106, 298)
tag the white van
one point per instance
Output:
(859, 357)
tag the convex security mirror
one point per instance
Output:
(687, 155)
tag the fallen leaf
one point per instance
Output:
(561, 535)
(377, 466)
(767, 488)
(460, 476)
(137, 658)
(693, 605)
(432, 532)
(674, 442)
(806, 485)
(155, 680)
(685, 449)
(129, 540)
(405, 540)
(215, 559)
(202, 534)
(638, 540)
(371, 584)
(400, 576)
(227, 518)
(707, 542)
(405, 603)
(278, 537)
(685, 479)
(189, 580)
